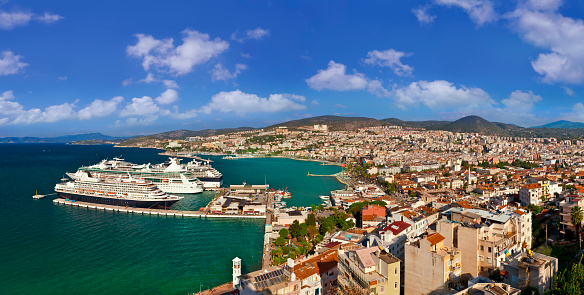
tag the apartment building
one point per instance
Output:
(566, 212)
(485, 238)
(530, 194)
(430, 266)
(370, 270)
(530, 269)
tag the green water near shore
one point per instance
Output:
(50, 249)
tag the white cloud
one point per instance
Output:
(241, 103)
(197, 48)
(100, 108)
(390, 58)
(440, 95)
(569, 91)
(577, 113)
(142, 106)
(423, 16)
(315, 102)
(49, 18)
(10, 64)
(544, 4)
(255, 34)
(149, 79)
(51, 114)
(167, 97)
(521, 101)
(220, 73)
(170, 84)
(130, 122)
(563, 36)
(336, 78)
(338, 105)
(11, 20)
(62, 78)
(479, 11)
(8, 107)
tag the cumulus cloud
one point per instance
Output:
(544, 4)
(220, 73)
(390, 58)
(170, 83)
(150, 78)
(335, 77)
(141, 106)
(521, 101)
(241, 103)
(479, 11)
(167, 97)
(12, 112)
(130, 122)
(563, 36)
(197, 48)
(255, 34)
(100, 108)
(569, 91)
(440, 95)
(423, 16)
(10, 63)
(11, 20)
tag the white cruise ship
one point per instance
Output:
(170, 179)
(209, 176)
(118, 191)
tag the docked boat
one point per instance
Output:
(170, 178)
(209, 176)
(118, 191)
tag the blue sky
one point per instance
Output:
(143, 67)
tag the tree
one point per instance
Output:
(576, 218)
(569, 281)
(495, 275)
(284, 233)
(312, 230)
(311, 220)
(295, 228)
(303, 230)
(280, 241)
(313, 207)
(530, 290)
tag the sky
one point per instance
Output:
(141, 67)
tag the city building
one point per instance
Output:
(370, 270)
(530, 269)
(431, 267)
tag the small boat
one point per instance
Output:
(325, 197)
(37, 196)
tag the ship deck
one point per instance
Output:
(176, 213)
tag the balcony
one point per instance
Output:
(353, 270)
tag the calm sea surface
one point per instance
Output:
(51, 249)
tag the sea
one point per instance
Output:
(55, 249)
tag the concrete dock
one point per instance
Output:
(177, 213)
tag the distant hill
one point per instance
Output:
(473, 124)
(61, 139)
(414, 124)
(182, 134)
(562, 124)
(333, 122)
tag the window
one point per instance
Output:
(482, 258)
(395, 270)
(489, 259)
(295, 287)
(489, 249)
(482, 248)
(381, 290)
(395, 284)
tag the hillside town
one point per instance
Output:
(424, 212)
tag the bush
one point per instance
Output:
(283, 233)
(280, 241)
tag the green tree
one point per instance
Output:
(569, 281)
(295, 228)
(311, 220)
(530, 290)
(284, 233)
(312, 230)
(303, 230)
(312, 207)
(576, 218)
(280, 241)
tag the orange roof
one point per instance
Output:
(519, 212)
(435, 238)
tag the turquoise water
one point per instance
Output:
(51, 249)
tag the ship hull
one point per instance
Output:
(117, 202)
(211, 182)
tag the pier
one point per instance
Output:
(323, 175)
(147, 211)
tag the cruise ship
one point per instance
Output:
(209, 176)
(171, 178)
(118, 191)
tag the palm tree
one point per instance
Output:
(576, 216)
